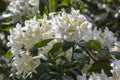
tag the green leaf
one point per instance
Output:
(32, 16)
(99, 65)
(81, 56)
(67, 45)
(6, 26)
(43, 7)
(65, 3)
(42, 43)
(68, 64)
(67, 78)
(52, 67)
(95, 45)
(71, 72)
(59, 55)
(9, 54)
(56, 47)
(116, 54)
(104, 54)
(5, 19)
(45, 76)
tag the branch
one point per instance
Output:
(89, 54)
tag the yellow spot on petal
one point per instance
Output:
(47, 32)
(31, 62)
(21, 36)
(71, 21)
(82, 25)
(37, 32)
(44, 22)
(29, 38)
(70, 31)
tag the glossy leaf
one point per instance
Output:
(95, 45)
(81, 56)
(9, 54)
(99, 65)
(56, 47)
(67, 78)
(67, 45)
(42, 43)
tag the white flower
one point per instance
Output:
(116, 70)
(85, 31)
(15, 38)
(25, 63)
(83, 77)
(47, 28)
(26, 36)
(21, 8)
(32, 32)
(2, 36)
(97, 76)
(63, 26)
(106, 37)
(75, 27)
(70, 26)
(116, 47)
(34, 3)
(94, 76)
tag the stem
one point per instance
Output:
(51, 5)
(89, 54)
(72, 53)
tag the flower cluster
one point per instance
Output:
(25, 63)
(22, 40)
(102, 76)
(76, 27)
(116, 70)
(21, 8)
(72, 27)
(106, 37)
(95, 76)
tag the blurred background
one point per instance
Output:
(101, 13)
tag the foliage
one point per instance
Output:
(61, 64)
